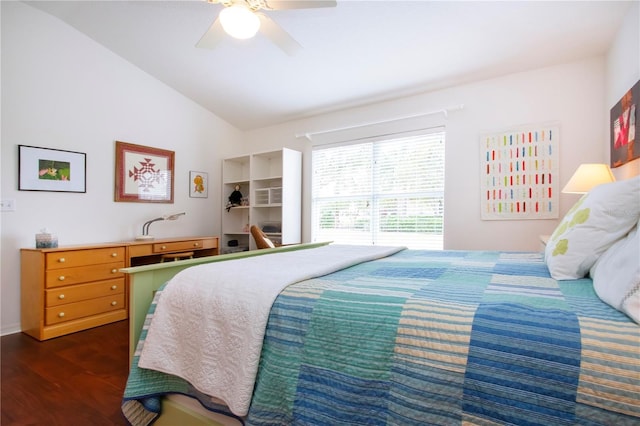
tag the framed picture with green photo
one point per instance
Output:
(48, 169)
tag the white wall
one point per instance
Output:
(571, 94)
(62, 90)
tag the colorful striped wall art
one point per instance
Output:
(519, 173)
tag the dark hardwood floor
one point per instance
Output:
(71, 380)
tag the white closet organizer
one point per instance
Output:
(271, 186)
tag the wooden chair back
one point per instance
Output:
(261, 239)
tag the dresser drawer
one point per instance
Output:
(71, 311)
(186, 245)
(83, 274)
(77, 293)
(73, 258)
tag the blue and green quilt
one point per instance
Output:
(434, 337)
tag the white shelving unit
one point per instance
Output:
(271, 184)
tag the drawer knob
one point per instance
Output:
(114, 303)
(61, 278)
(114, 254)
(61, 315)
(113, 271)
(196, 244)
(61, 296)
(62, 260)
(164, 247)
(114, 287)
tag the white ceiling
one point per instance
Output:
(355, 53)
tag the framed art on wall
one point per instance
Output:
(624, 146)
(198, 184)
(519, 173)
(47, 169)
(143, 174)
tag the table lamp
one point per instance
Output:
(145, 228)
(586, 177)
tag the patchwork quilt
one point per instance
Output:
(433, 337)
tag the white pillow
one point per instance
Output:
(616, 275)
(599, 219)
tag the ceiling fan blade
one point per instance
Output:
(299, 4)
(212, 37)
(278, 36)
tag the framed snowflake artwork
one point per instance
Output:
(144, 174)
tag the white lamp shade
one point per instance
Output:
(586, 177)
(239, 22)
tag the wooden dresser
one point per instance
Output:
(70, 289)
(73, 288)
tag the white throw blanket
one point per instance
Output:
(211, 319)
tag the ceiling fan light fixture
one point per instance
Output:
(239, 22)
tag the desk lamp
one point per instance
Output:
(145, 228)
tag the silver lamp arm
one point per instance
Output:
(145, 227)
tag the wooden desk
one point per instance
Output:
(147, 252)
(73, 288)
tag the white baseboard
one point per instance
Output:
(10, 329)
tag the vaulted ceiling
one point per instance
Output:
(355, 53)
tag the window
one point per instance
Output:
(383, 192)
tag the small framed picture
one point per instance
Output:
(144, 174)
(47, 169)
(198, 184)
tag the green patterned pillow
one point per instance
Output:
(594, 223)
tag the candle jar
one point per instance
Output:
(46, 240)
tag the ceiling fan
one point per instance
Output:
(242, 19)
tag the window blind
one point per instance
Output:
(384, 192)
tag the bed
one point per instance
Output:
(395, 336)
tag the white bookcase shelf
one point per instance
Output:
(271, 186)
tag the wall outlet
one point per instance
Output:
(8, 205)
